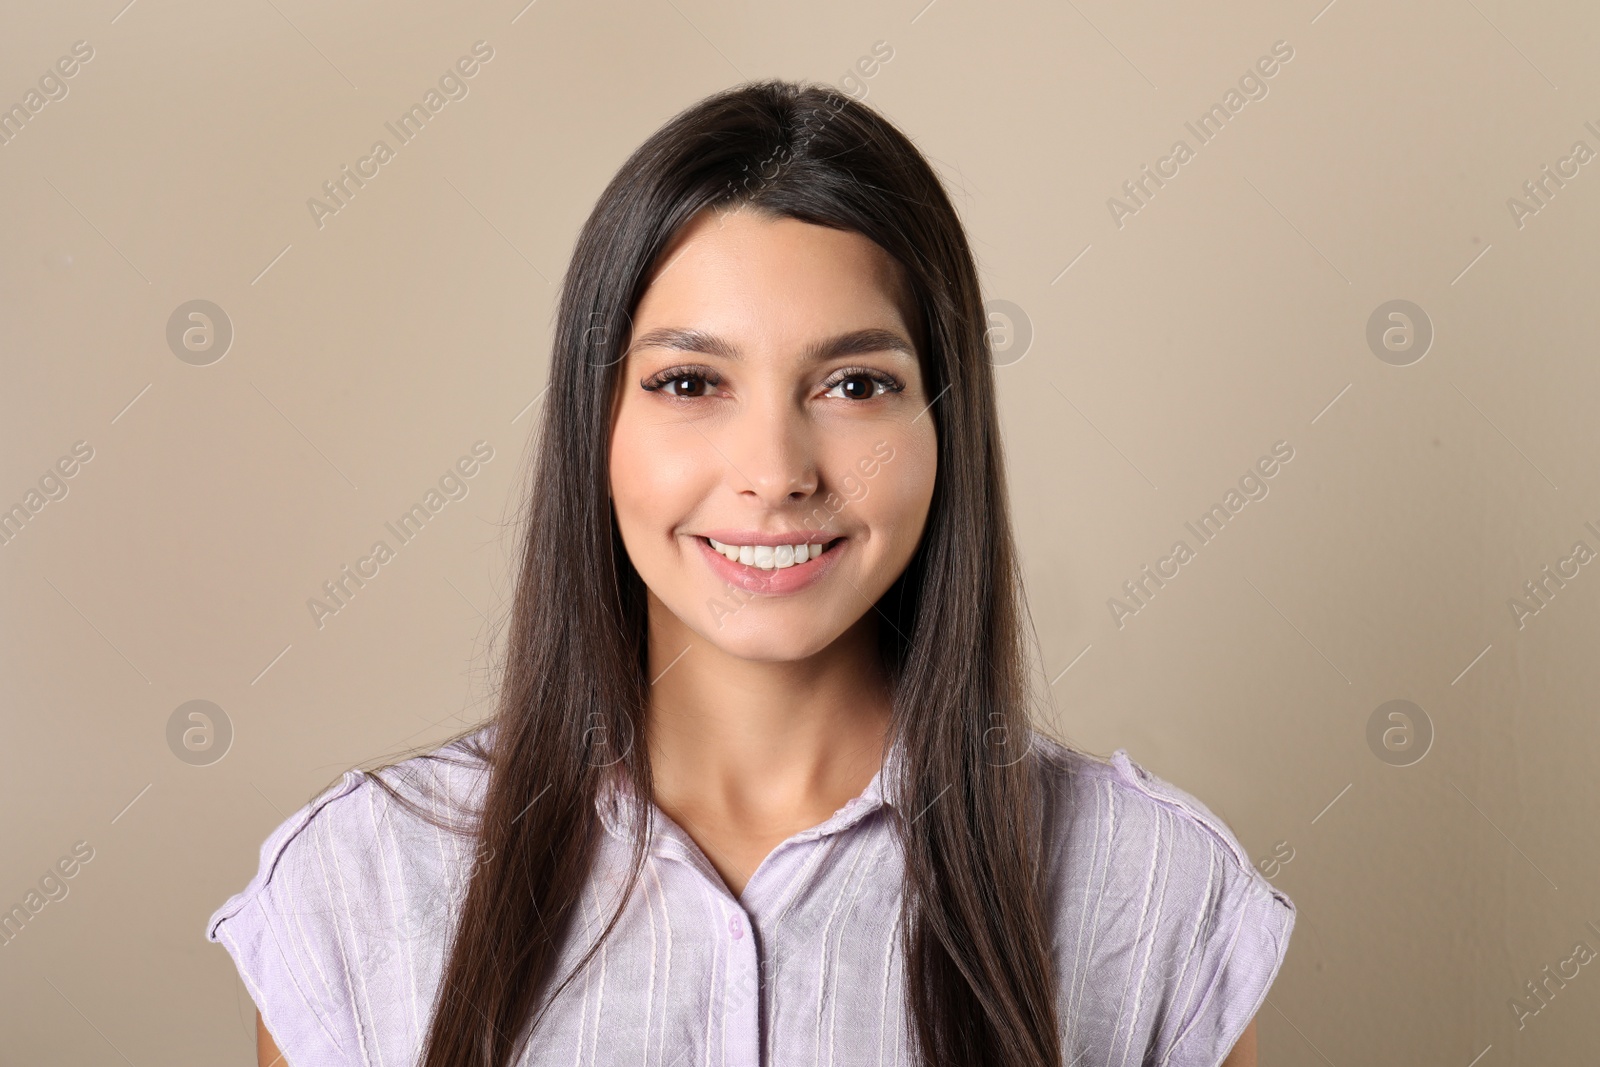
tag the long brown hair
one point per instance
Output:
(573, 694)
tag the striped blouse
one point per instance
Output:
(1166, 937)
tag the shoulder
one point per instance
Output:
(355, 826)
(349, 886)
(1167, 936)
(1087, 795)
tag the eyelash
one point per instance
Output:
(662, 379)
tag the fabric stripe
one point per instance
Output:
(1165, 938)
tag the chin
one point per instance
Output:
(768, 643)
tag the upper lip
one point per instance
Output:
(755, 537)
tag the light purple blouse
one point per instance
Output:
(1166, 941)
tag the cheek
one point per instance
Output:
(896, 495)
(658, 473)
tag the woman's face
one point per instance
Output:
(771, 397)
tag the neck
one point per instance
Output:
(755, 744)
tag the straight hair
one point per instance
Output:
(573, 690)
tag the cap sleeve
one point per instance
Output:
(285, 937)
(1236, 938)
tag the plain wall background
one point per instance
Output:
(1167, 355)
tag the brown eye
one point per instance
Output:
(680, 383)
(685, 387)
(862, 384)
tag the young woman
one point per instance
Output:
(763, 785)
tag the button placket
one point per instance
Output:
(741, 1004)
(735, 920)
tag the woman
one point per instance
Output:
(769, 584)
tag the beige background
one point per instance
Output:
(1167, 355)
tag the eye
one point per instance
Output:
(862, 383)
(680, 382)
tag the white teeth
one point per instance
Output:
(768, 557)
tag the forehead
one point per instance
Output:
(743, 272)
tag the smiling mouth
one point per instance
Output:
(772, 557)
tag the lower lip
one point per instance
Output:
(776, 581)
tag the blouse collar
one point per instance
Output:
(616, 805)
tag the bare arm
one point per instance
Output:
(1244, 1053)
(267, 1054)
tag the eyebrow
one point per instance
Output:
(845, 344)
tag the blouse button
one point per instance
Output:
(735, 927)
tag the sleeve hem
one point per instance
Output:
(267, 979)
(311, 1025)
(1264, 928)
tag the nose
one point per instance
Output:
(772, 455)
